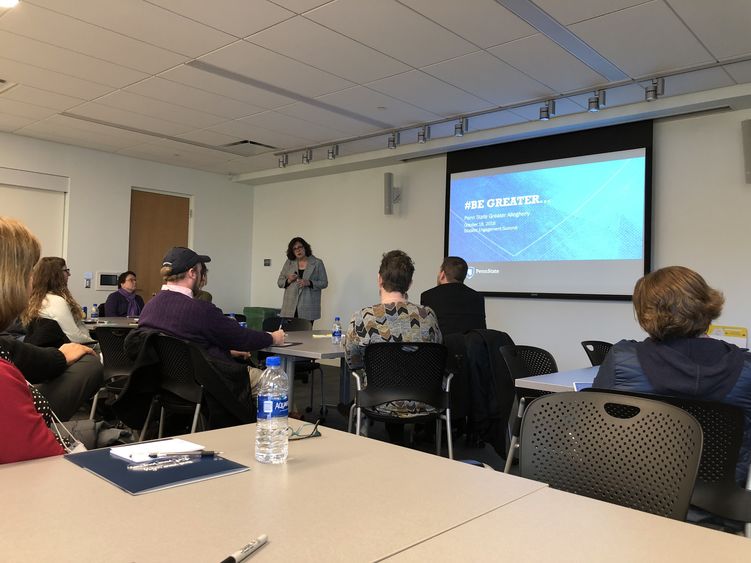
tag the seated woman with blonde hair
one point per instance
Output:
(23, 431)
(675, 306)
(51, 299)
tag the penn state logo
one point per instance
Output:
(470, 272)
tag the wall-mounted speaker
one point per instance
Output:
(391, 194)
(746, 129)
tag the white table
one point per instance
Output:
(558, 382)
(316, 348)
(340, 497)
(550, 525)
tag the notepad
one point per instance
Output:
(138, 453)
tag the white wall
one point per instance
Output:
(701, 209)
(99, 212)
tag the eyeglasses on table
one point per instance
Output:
(307, 430)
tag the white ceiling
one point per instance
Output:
(176, 80)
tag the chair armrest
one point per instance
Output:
(358, 380)
(447, 381)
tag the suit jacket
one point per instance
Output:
(306, 300)
(459, 308)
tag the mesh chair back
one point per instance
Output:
(116, 361)
(526, 361)
(100, 310)
(404, 371)
(271, 324)
(596, 350)
(176, 368)
(631, 451)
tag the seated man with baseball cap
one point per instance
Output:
(175, 312)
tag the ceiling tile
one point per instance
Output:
(145, 22)
(47, 26)
(23, 109)
(130, 119)
(275, 70)
(43, 55)
(31, 95)
(483, 22)
(13, 122)
(156, 108)
(634, 40)
(393, 29)
(208, 137)
(322, 116)
(374, 105)
(187, 96)
(237, 17)
(429, 93)
(697, 81)
(573, 11)
(723, 27)
(60, 127)
(300, 6)
(313, 44)
(49, 80)
(489, 78)
(741, 72)
(294, 126)
(179, 154)
(540, 58)
(494, 120)
(68, 139)
(244, 130)
(226, 87)
(87, 128)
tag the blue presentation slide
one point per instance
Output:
(582, 211)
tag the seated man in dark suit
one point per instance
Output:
(459, 308)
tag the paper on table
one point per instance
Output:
(322, 335)
(138, 453)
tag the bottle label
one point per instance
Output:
(272, 407)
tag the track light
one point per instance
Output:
(333, 152)
(654, 90)
(461, 128)
(393, 140)
(547, 110)
(307, 156)
(596, 102)
(423, 134)
(283, 160)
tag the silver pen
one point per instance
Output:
(246, 550)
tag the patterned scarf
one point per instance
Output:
(133, 309)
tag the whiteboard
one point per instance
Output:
(42, 211)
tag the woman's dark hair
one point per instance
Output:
(293, 242)
(675, 302)
(49, 277)
(396, 271)
(122, 277)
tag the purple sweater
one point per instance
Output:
(201, 322)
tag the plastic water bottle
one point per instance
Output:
(94, 313)
(85, 313)
(271, 429)
(336, 331)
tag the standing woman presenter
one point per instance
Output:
(303, 276)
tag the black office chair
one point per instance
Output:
(716, 489)
(239, 317)
(631, 451)
(524, 361)
(405, 371)
(596, 350)
(179, 391)
(304, 367)
(117, 364)
(101, 310)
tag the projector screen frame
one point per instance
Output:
(636, 135)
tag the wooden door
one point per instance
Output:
(157, 223)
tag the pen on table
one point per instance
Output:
(246, 550)
(199, 453)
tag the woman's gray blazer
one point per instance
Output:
(306, 300)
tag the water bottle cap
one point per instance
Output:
(337, 318)
(273, 361)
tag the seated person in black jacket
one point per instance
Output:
(459, 308)
(67, 377)
(124, 302)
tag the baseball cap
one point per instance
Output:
(182, 259)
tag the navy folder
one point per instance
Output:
(115, 470)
